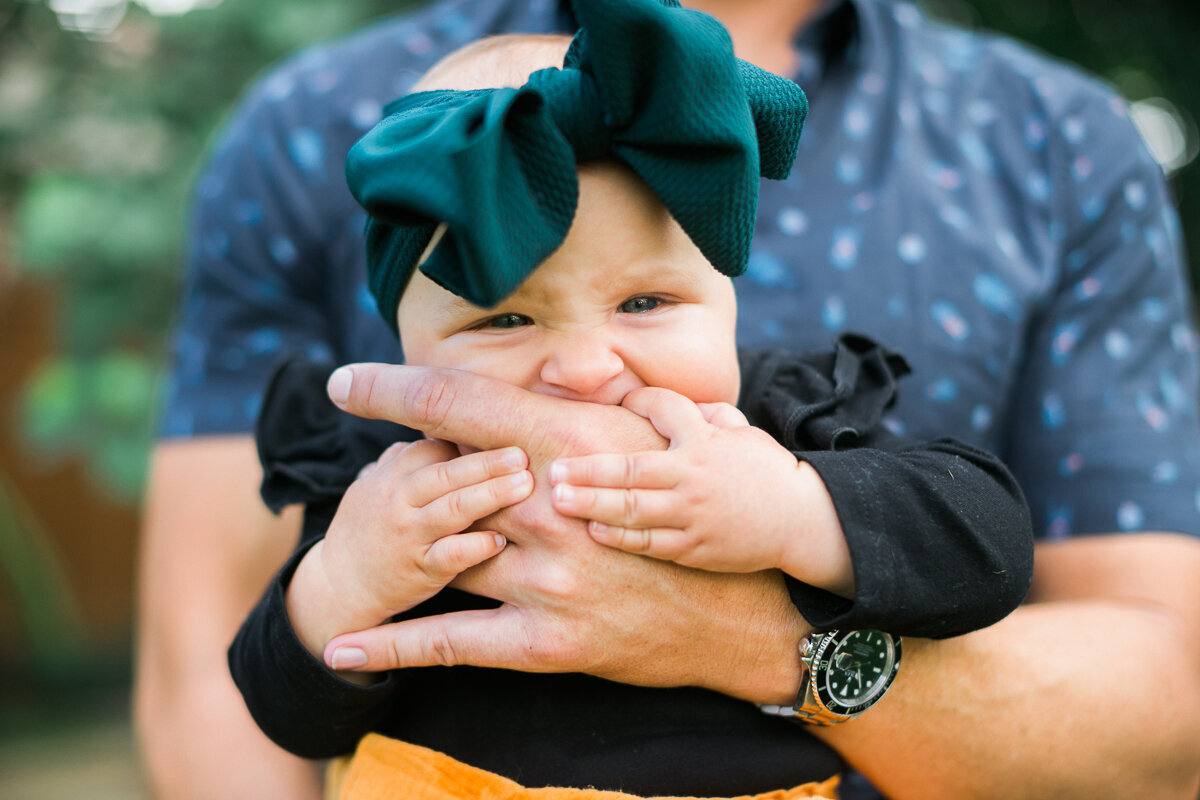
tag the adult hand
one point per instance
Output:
(569, 604)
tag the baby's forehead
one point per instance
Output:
(494, 62)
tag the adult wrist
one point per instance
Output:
(771, 670)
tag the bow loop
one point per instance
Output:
(779, 109)
(653, 85)
(430, 162)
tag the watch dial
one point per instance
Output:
(859, 668)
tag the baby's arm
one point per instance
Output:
(395, 540)
(927, 539)
(724, 497)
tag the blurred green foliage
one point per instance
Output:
(100, 139)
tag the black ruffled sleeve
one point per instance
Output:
(311, 452)
(939, 532)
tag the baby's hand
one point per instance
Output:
(397, 537)
(724, 497)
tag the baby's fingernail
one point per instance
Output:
(558, 472)
(338, 386)
(348, 658)
(564, 493)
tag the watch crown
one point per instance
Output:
(806, 646)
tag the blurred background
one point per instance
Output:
(105, 109)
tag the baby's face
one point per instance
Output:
(627, 301)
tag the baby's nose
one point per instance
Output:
(583, 368)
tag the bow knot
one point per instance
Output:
(577, 109)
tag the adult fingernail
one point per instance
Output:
(564, 493)
(348, 658)
(338, 387)
(558, 472)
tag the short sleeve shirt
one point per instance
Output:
(982, 208)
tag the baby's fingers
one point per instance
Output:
(650, 470)
(723, 415)
(436, 480)
(456, 510)
(450, 555)
(626, 508)
(667, 543)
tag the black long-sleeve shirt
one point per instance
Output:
(938, 532)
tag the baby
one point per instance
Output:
(871, 530)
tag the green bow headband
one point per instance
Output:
(654, 86)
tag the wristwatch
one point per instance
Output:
(845, 673)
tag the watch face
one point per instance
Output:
(855, 668)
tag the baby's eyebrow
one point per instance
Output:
(458, 309)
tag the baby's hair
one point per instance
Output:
(495, 62)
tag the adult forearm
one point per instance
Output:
(208, 549)
(199, 743)
(1087, 699)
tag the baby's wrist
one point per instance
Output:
(815, 550)
(317, 610)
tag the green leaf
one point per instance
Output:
(53, 407)
(60, 220)
(122, 388)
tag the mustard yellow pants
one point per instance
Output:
(386, 769)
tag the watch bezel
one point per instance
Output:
(819, 666)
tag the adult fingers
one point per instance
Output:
(629, 508)
(483, 638)
(665, 543)
(672, 415)
(652, 470)
(439, 478)
(446, 404)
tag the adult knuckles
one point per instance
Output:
(428, 401)
(437, 649)
(562, 585)
(607, 429)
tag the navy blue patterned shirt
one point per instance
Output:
(987, 211)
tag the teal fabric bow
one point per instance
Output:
(653, 85)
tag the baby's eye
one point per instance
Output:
(507, 321)
(639, 305)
